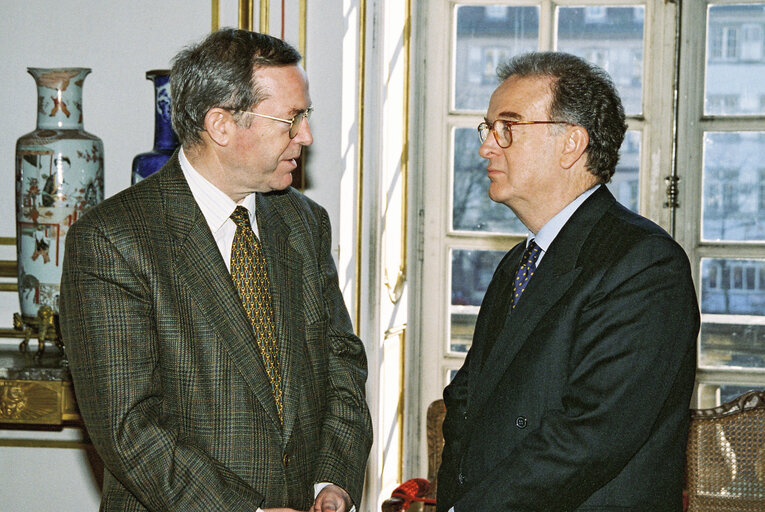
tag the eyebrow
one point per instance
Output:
(506, 114)
(296, 111)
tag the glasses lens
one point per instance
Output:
(504, 135)
(483, 132)
(295, 125)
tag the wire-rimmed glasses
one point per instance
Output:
(294, 122)
(503, 130)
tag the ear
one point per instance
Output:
(219, 125)
(574, 145)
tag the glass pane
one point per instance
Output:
(625, 184)
(713, 395)
(471, 274)
(472, 210)
(734, 186)
(732, 313)
(735, 64)
(729, 392)
(487, 36)
(612, 38)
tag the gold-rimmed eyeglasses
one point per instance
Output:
(503, 130)
(294, 122)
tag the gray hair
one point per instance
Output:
(219, 72)
(582, 94)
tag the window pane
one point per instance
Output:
(612, 38)
(486, 37)
(472, 210)
(713, 395)
(732, 313)
(735, 60)
(734, 186)
(625, 184)
(729, 392)
(471, 274)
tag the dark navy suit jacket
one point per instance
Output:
(582, 401)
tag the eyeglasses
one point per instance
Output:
(503, 130)
(294, 122)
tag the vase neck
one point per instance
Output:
(164, 136)
(59, 97)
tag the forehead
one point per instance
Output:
(523, 98)
(285, 86)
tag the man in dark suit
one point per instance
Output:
(212, 355)
(575, 392)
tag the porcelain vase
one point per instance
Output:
(165, 140)
(59, 176)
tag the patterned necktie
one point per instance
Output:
(526, 270)
(248, 269)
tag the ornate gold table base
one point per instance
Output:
(35, 391)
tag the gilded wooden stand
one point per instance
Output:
(44, 327)
(35, 391)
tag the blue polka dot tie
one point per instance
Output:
(248, 269)
(526, 270)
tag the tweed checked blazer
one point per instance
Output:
(580, 401)
(166, 369)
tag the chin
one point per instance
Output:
(284, 182)
(495, 195)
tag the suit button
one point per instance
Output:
(465, 415)
(521, 422)
(460, 478)
(286, 459)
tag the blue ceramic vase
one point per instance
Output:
(59, 176)
(165, 140)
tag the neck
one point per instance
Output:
(207, 163)
(535, 216)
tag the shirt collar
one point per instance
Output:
(216, 206)
(550, 230)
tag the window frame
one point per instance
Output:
(690, 143)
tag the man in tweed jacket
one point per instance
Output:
(166, 367)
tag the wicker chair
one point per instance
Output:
(725, 457)
(418, 493)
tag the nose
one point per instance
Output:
(304, 136)
(489, 147)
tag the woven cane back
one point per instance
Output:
(725, 457)
(435, 436)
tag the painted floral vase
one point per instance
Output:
(59, 176)
(165, 140)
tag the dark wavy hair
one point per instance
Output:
(219, 72)
(582, 94)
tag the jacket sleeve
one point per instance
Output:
(110, 334)
(633, 350)
(455, 401)
(346, 435)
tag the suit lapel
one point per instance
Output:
(502, 277)
(285, 274)
(553, 278)
(201, 268)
